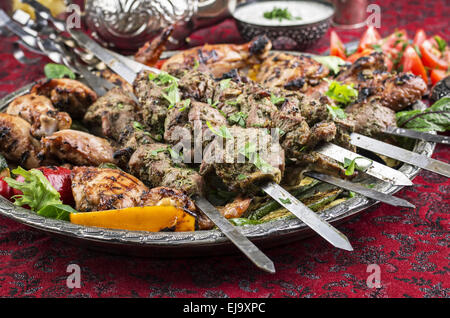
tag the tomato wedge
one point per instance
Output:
(336, 46)
(411, 62)
(437, 75)
(420, 37)
(431, 56)
(370, 37)
(352, 58)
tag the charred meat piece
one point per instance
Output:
(168, 197)
(369, 75)
(245, 159)
(219, 58)
(67, 95)
(39, 112)
(154, 165)
(113, 114)
(151, 98)
(97, 189)
(293, 72)
(78, 148)
(115, 79)
(371, 118)
(16, 142)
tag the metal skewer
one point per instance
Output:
(230, 231)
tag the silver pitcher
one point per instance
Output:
(128, 24)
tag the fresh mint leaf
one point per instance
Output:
(58, 71)
(333, 63)
(342, 93)
(238, 118)
(224, 84)
(276, 100)
(434, 118)
(336, 112)
(222, 132)
(285, 201)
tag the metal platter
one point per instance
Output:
(199, 243)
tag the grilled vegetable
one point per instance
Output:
(150, 218)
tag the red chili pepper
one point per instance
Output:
(59, 178)
(5, 190)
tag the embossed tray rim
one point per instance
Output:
(204, 243)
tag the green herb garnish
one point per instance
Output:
(58, 71)
(442, 44)
(285, 201)
(222, 132)
(38, 194)
(249, 151)
(333, 63)
(434, 118)
(280, 14)
(336, 112)
(224, 84)
(352, 165)
(276, 100)
(342, 93)
(238, 118)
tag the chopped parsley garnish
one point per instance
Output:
(162, 78)
(280, 14)
(238, 118)
(441, 43)
(352, 165)
(173, 95)
(249, 151)
(210, 102)
(336, 112)
(276, 100)
(221, 132)
(138, 126)
(185, 104)
(224, 84)
(285, 201)
(241, 177)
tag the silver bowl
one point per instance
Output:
(298, 36)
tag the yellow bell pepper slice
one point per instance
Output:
(149, 218)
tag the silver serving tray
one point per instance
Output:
(199, 243)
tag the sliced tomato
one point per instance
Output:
(370, 37)
(388, 62)
(437, 75)
(352, 58)
(336, 46)
(419, 37)
(394, 41)
(432, 57)
(159, 64)
(411, 62)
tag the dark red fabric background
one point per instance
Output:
(410, 246)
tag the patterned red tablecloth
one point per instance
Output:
(411, 246)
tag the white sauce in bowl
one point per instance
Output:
(307, 11)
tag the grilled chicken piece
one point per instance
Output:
(219, 58)
(16, 143)
(38, 111)
(290, 71)
(113, 115)
(78, 148)
(371, 118)
(97, 189)
(167, 196)
(396, 91)
(67, 95)
(154, 166)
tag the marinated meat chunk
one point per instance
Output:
(113, 115)
(395, 91)
(39, 112)
(78, 148)
(16, 142)
(67, 95)
(219, 58)
(153, 165)
(321, 132)
(96, 189)
(245, 159)
(371, 118)
(151, 98)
